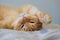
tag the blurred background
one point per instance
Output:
(51, 7)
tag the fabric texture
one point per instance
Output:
(43, 34)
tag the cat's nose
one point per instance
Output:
(26, 18)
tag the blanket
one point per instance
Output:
(44, 34)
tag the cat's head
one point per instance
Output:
(35, 22)
(31, 23)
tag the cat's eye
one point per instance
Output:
(22, 25)
(31, 22)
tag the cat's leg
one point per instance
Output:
(43, 17)
(6, 22)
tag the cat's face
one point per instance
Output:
(32, 23)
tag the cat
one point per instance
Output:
(27, 18)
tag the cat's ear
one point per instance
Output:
(43, 17)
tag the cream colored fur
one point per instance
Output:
(27, 18)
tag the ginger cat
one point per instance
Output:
(27, 18)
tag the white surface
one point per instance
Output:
(44, 34)
(37, 35)
(15, 35)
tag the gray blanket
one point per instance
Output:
(44, 34)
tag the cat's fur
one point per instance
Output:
(31, 20)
